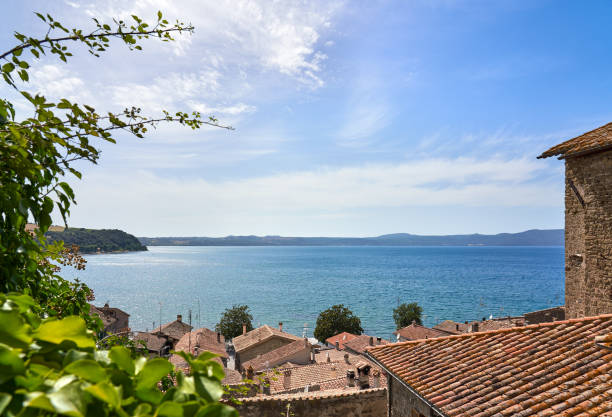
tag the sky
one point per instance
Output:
(351, 118)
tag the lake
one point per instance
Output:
(293, 284)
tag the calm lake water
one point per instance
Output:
(293, 284)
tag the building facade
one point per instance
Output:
(588, 221)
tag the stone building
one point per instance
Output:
(588, 221)
(173, 330)
(113, 319)
(260, 341)
(562, 368)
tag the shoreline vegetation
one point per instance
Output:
(92, 241)
(535, 237)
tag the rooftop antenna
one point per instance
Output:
(199, 313)
(305, 330)
(190, 332)
(160, 309)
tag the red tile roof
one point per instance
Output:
(175, 329)
(596, 140)
(278, 356)
(545, 369)
(360, 343)
(260, 335)
(202, 340)
(341, 338)
(417, 332)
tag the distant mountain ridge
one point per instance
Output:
(535, 237)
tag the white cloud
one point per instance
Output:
(243, 203)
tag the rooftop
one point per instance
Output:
(341, 338)
(259, 335)
(544, 369)
(417, 332)
(152, 341)
(596, 140)
(202, 340)
(360, 343)
(277, 356)
(175, 329)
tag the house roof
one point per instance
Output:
(175, 329)
(260, 335)
(152, 341)
(107, 319)
(416, 332)
(335, 355)
(545, 369)
(201, 340)
(453, 327)
(341, 338)
(360, 343)
(596, 140)
(277, 356)
(328, 375)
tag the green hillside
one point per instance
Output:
(94, 240)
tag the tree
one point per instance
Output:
(334, 320)
(39, 151)
(404, 314)
(232, 321)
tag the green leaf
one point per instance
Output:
(152, 372)
(217, 410)
(207, 388)
(69, 400)
(5, 400)
(106, 392)
(8, 67)
(121, 357)
(169, 409)
(87, 369)
(10, 364)
(71, 328)
(143, 410)
(14, 331)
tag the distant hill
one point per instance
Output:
(94, 240)
(554, 237)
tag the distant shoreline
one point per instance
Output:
(552, 237)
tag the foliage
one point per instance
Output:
(334, 320)
(90, 240)
(38, 153)
(51, 366)
(404, 314)
(232, 321)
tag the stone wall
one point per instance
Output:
(545, 316)
(588, 234)
(404, 403)
(366, 403)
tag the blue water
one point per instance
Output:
(293, 284)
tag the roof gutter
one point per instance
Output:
(408, 387)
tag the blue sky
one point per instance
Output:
(351, 118)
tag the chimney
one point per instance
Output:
(346, 358)
(484, 319)
(371, 341)
(474, 327)
(250, 372)
(378, 340)
(280, 326)
(218, 337)
(334, 372)
(243, 329)
(337, 345)
(179, 318)
(350, 378)
(266, 386)
(376, 379)
(363, 371)
(287, 379)
(327, 358)
(457, 327)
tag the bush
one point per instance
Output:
(52, 366)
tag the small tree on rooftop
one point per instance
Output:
(232, 321)
(334, 320)
(404, 314)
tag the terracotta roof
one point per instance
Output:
(277, 356)
(260, 335)
(313, 394)
(453, 327)
(152, 341)
(341, 338)
(596, 140)
(202, 340)
(328, 374)
(232, 377)
(545, 369)
(175, 329)
(417, 332)
(360, 343)
(336, 355)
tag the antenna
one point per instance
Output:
(199, 325)
(160, 309)
(190, 332)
